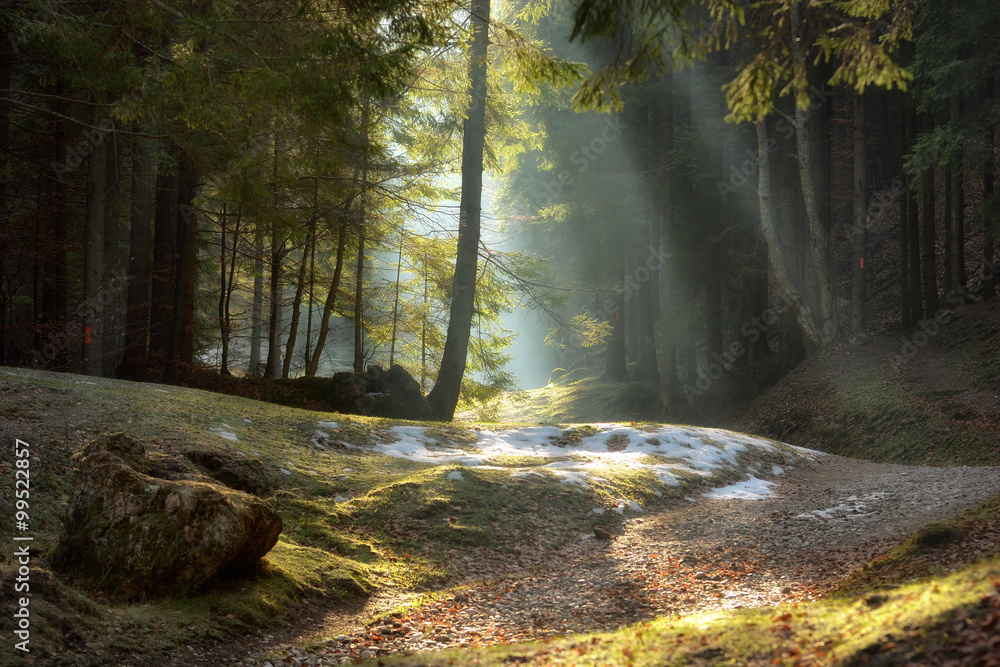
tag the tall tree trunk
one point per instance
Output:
(645, 354)
(55, 275)
(912, 215)
(827, 326)
(957, 238)
(293, 329)
(164, 251)
(443, 398)
(990, 221)
(110, 329)
(395, 305)
(929, 261)
(331, 299)
(277, 245)
(140, 224)
(6, 62)
(614, 366)
(293, 326)
(859, 230)
(359, 279)
(778, 261)
(274, 319)
(669, 386)
(181, 321)
(223, 314)
(93, 263)
(185, 350)
(949, 248)
(257, 314)
(359, 301)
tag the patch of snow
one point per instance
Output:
(284, 472)
(851, 507)
(749, 489)
(684, 450)
(456, 475)
(223, 433)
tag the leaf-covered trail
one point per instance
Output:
(829, 517)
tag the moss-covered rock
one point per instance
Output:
(237, 472)
(140, 537)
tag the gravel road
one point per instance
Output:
(828, 517)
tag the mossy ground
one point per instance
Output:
(354, 520)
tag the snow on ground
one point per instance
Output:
(576, 455)
(750, 489)
(224, 432)
(851, 507)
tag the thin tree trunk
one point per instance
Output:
(274, 319)
(957, 239)
(395, 305)
(331, 298)
(990, 222)
(443, 398)
(928, 259)
(614, 366)
(55, 275)
(93, 264)
(312, 292)
(164, 240)
(141, 211)
(912, 217)
(949, 248)
(6, 62)
(669, 386)
(223, 320)
(110, 336)
(186, 229)
(859, 229)
(359, 305)
(646, 366)
(257, 314)
(293, 326)
(227, 307)
(185, 350)
(359, 309)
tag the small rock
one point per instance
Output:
(602, 534)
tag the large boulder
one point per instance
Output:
(237, 472)
(398, 394)
(139, 537)
(348, 393)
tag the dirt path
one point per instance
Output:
(829, 517)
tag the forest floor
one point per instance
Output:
(830, 517)
(490, 555)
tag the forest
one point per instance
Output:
(607, 332)
(675, 191)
